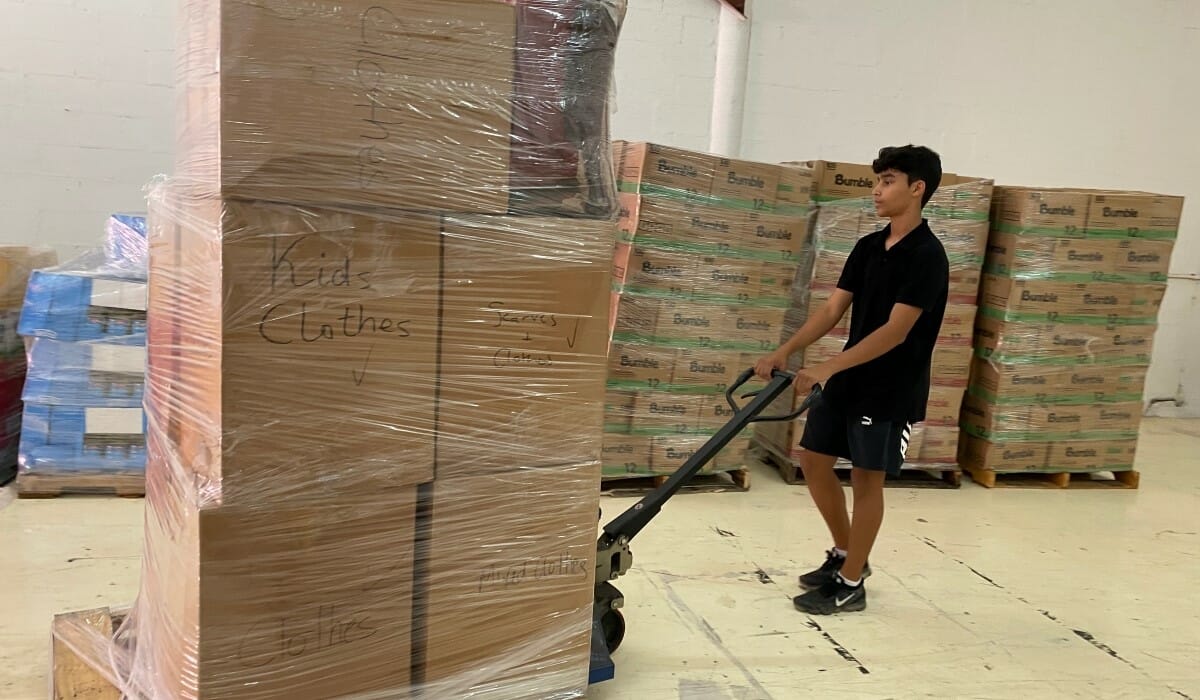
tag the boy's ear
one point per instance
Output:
(917, 187)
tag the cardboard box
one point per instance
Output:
(1134, 215)
(712, 370)
(785, 237)
(730, 277)
(660, 412)
(823, 350)
(618, 410)
(743, 181)
(1049, 421)
(939, 445)
(1080, 455)
(795, 186)
(951, 364)
(1053, 299)
(292, 601)
(1004, 456)
(751, 324)
(671, 168)
(360, 109)
(776, 280)
(276, 318)
(625, 454)
(1048, 383)
(1063, 343)
(484, 547)
(636, 366)
(842, 180)
(16, 264)
(1147, 258)
(1028, 256)
(629, 208)
(1043, 212)
(668, 454)
(828, 266)
(667, 270)
(637, 314)
(965, 242)
(957, 324)
(944, 405)
(692, 322)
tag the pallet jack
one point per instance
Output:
(613, 556)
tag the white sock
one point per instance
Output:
(848, 582)
(840, 552)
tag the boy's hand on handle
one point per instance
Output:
(809, 377)
(770, 363)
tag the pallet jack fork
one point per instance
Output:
(613, 556)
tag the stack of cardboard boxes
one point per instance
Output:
(1070, 301)
(377, 353)
(708, 252)
(958, 215)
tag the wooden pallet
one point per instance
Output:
(912, 477)
(717, 482)
(1129, 479)
(53, 485)
(72, 676)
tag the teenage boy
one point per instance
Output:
(895, 283)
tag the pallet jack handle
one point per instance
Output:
(627, 525)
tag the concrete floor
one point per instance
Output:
(976, 593)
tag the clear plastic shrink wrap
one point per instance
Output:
(374, 401)
(958, 215)
(16, 265)
(84, 326)
(704, 269)
(1068, 310)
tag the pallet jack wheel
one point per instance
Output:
(613, 623)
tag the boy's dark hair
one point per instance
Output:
(917, 162)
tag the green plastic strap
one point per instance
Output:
(704, 299)
(759, 205)
(1155, 278)
(716, 250)
(693, 343)
(1070, 319)
(677, 389)
(1034, 436)
(1079, 232)
(1132, 360)
(1085, 399)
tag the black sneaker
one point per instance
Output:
(823, 575)
(832, 598)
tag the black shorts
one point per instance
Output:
(877, 445)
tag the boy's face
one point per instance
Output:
(895, 195)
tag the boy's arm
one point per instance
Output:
(815, 328)
(877, 344)
(819, 323)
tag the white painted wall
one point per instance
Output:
(1088, 93)
(85, 113)
(1072, 92)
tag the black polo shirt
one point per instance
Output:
(915, 271)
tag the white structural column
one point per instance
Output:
(729, 84)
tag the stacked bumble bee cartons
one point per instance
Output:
(958, 215)
(1068, 313)
(704, 269)
(377, 337)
